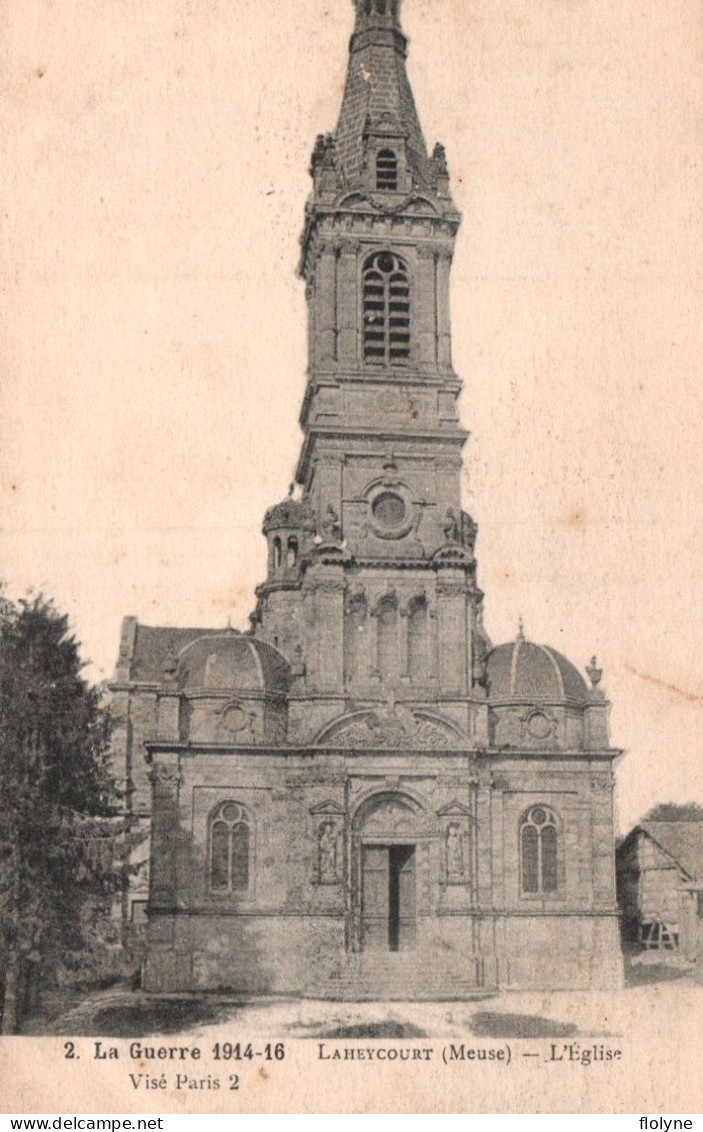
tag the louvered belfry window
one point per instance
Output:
(386, 171)
(386, 311)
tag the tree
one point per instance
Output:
(675, 811)
(59, 842)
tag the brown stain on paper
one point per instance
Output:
(230, 598)
(680, 693)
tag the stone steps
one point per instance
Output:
(401, 976)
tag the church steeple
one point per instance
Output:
(379, 131)
(377, 552)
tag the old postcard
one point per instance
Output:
(351, 419)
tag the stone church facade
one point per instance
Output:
(361, 797)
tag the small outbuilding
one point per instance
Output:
(660, 886)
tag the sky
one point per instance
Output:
(152, 327)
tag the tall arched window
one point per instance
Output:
(230, 846)
(277, 553)
(538, 851)
(387, 170)
(386, 310)
(418, 641)
(387, 637)
(292, 560)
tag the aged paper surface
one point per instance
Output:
(154, 349)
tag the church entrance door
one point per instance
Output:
(388, 897)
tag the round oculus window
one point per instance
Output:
(389, 510)
(231, 812)
(234, 719)
(539, 725)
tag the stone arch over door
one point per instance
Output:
(392, 832)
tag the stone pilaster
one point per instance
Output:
(451, 601)
(444, 332)
(347, 305)
(425, 307)
(165, 827)
(326, 305)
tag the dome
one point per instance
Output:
(288, 515)
(522, 670)
(232, 661)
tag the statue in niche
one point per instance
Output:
(480, 666)
(450, 527)
(455, 852)
(331, 525)
(469, 531)
(327, 852)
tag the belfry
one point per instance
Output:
(361, 797)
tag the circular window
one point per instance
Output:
(234, 719)
(389, 509)
(539, 725)
(230, 812)
(386, 262)
(538, 817)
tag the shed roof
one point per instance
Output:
(682, 840)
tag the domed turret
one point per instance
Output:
(233, 662)
(524, 671)
(284, 528)
(233, 690)
(538, 699)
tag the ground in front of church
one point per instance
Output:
(656, 997)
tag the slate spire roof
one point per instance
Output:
(377, 97)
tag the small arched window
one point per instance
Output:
(355, 636)
(387, 170)
(277, 553)
(418, 641)
(292, 553)
(538, 851)
(387, 637)
(386, 310)
(230, 847)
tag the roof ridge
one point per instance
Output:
(557, 667)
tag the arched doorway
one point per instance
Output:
(391, 842)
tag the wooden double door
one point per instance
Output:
(387, 897)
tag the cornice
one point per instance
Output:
(456, 436)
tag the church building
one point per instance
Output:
(361, 797)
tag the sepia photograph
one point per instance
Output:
(350, 664)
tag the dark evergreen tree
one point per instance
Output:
(62, 850)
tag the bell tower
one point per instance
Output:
(386, 569)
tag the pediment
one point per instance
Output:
(328, 807)
(452, 554)
(390, 727)
(420, 206)
(454, 809)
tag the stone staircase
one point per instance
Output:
(402, 976)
